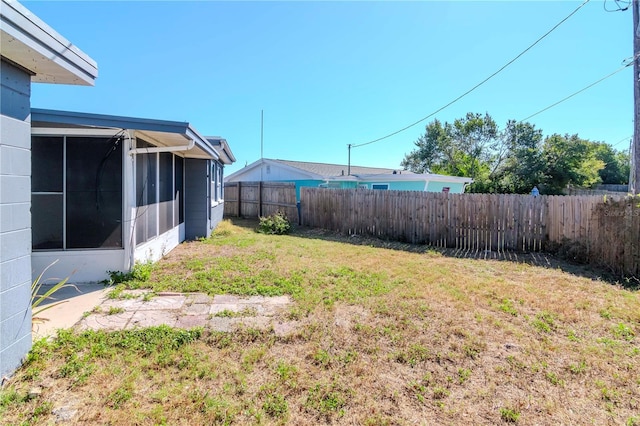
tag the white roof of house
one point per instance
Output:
(331, 170)
(310, 170)
(339, 172)
(28, 42)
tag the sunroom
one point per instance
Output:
(109, 191)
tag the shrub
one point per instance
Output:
(277, 224)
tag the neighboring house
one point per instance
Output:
(30, 51)
(337, 176)
(108, 192)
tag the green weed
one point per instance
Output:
(544, 322)
(275, 406)
(226, 313)
(507, 306)
(624, 332)
(580, 368)
(554, 379)
(463, 375)
(633, 421)
(510, 415)
(115, 310)
(327, 399)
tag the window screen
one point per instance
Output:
(94, 192)
(47, 184)
(76, 192)
(146, 197)
(179, 190)
(165, 207)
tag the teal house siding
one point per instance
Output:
(305, 182)
(454, 187)
(407, 186)
(348, 185)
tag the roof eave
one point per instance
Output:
(120, 122)
(29, 42)
(222, 148)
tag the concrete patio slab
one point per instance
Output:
(173, 309)
(150, 318)
(106, 321)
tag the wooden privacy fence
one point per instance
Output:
(254, 199)
(574, 224)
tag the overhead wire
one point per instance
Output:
(579, 91)
(626, 3)
(622, 140)
(477, 85)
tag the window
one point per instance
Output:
(216, 182)
(379, 186)
(159, 193)
(146, 194)
(178, 189)
(47, 192)
(220, 182)
(165, 188)
(76, 192)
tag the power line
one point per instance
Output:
(576, 93)
(477, 85)
(621, 5)
(622, 140)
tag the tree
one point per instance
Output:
(466, 147)
(616, 164)
(569, 160)
(523, 165)
(515, 159)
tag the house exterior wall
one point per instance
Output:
(80, 266)
(154, 250)
(270, 173)
(197, 199)
(15, 217)
(304, 182)
(217, 212)
(454, 187)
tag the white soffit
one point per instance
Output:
(27, 41)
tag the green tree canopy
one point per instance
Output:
(467, 147)
(569, 160)
(515, 159)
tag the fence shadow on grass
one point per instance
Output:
(540, 259)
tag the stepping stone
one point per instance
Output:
(106, 322)
(152, 319)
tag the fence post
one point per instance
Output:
(260, 199)
(239, 200)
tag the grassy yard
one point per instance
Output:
(384, 334)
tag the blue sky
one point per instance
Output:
(328, 74)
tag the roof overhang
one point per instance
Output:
(27, 41)
(233, 177)
(408, 177)
(161, 133)
(222, 148)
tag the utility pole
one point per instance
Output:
(634, 181)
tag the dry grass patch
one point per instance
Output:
(389, 334)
